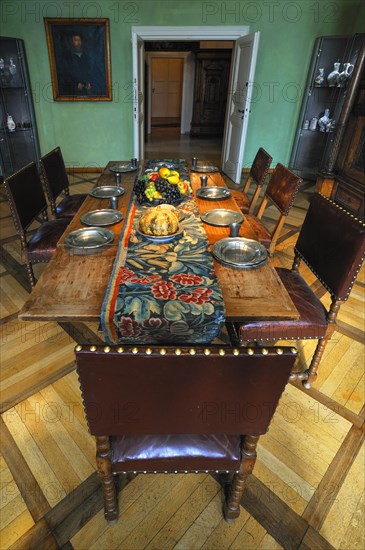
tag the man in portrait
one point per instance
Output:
(80, 65)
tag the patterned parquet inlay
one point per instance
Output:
(307, 490)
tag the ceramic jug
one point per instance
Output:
(324, 121)
(332, 77)
(318, 81)
(342, 77)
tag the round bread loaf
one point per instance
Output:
(159, 222)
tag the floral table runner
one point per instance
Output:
(163, 293)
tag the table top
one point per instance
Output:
(71, 288)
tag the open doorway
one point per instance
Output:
(242, 74)
(166, 91)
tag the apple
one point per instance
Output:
(183, 187)
(164, 172)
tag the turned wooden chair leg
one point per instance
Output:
(311, 373)
(231, 509)
(103, 463)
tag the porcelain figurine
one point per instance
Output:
(318, 81)
(332, 77)
(342, 77)
(324, 121)
(12, 67)
(10, 123)
(313, 124)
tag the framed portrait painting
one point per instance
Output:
(79, 55)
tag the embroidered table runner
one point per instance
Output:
(163, 293)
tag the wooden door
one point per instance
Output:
(238, 105)
(166, 76)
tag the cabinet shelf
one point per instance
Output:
(12, 88)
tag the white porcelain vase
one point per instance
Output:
(318, 81)
(332, 77)
(324, 121)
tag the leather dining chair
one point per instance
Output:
(280, 192)
(257, 175)
(56, 182)
(27, 203)
(332, 244)
(179, 410)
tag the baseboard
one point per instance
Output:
(87, 169)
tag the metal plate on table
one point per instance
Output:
(121, 168)
(213, 193)
(103, 217)
(90, 240)
(221, 217)
(107, 191)
(204, 169)
(162, 239)
(240, 252)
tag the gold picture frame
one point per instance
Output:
(79, 55)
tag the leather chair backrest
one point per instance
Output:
(332, 244)
(54, 171)
(260, 166)
(211, 390)
(26, 196)
(282, 188)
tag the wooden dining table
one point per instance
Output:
(72, 287)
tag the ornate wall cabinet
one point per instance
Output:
(210, 93)
(18, 133)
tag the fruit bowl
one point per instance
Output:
(164, 186)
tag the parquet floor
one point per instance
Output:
(307, 490)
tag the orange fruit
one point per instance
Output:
(164, 172)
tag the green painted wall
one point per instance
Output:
(91, 133)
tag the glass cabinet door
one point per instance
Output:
(18, 134)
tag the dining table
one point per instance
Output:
(72, 287)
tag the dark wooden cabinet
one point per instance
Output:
(210, 92)
(349, 184)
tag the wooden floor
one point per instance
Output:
(307, 490)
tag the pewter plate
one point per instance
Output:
(90, 240)
(240, 252)
(204, 169)
(107, 191)
(221, 217)
(162, 239)
(103, 217)
(121, 168)
(213, 193)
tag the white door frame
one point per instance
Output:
(173, 34)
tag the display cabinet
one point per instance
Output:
(333, 62)
(18, 133)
